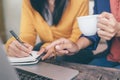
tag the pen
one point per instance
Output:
(17, 38)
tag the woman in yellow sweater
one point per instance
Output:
(51, 20)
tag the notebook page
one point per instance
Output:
(34, 54)
(25, 63)
(24, 59)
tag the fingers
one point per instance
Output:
(105, 35)
(28, 46)
(70, 47)
(63, 52)
(53, 44)
(12, 53)
(106, 15)
(60, 50)
(59, 47)
(20, 46)
(15, 52)
(104, 25)
(41, 51)
(16, 49)
(50, 52)
(59, 41)
(107, 25)
(62, 47)
(67, 49)
(108, 19)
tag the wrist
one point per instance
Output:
(78, 47)
(118, 32)
(118, 25)
(74, 47)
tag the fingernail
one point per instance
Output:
(57, 47)
(42, 59)
(67, 52)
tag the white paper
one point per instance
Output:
(25, 60)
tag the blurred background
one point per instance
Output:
(10, 12)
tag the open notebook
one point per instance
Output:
(26, 60)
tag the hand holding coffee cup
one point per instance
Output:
(88, 24)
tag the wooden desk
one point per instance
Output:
(87, 72)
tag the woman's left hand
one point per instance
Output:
(52, 50)
(108, 26)
(60, 47)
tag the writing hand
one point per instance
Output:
(16, 49)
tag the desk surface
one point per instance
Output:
(87, 72)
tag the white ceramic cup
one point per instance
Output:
(88, 24)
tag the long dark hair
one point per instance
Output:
(39, 5)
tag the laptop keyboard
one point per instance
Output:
(25, 75)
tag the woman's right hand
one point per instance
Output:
(16, 49)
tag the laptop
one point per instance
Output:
(40, 71)
(6, 71)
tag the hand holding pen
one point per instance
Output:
(17, 48)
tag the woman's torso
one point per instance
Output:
(65, 25)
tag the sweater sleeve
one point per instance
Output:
(27, 31)
(94, 39)
(83, 10)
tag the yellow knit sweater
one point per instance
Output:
(32, 24)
